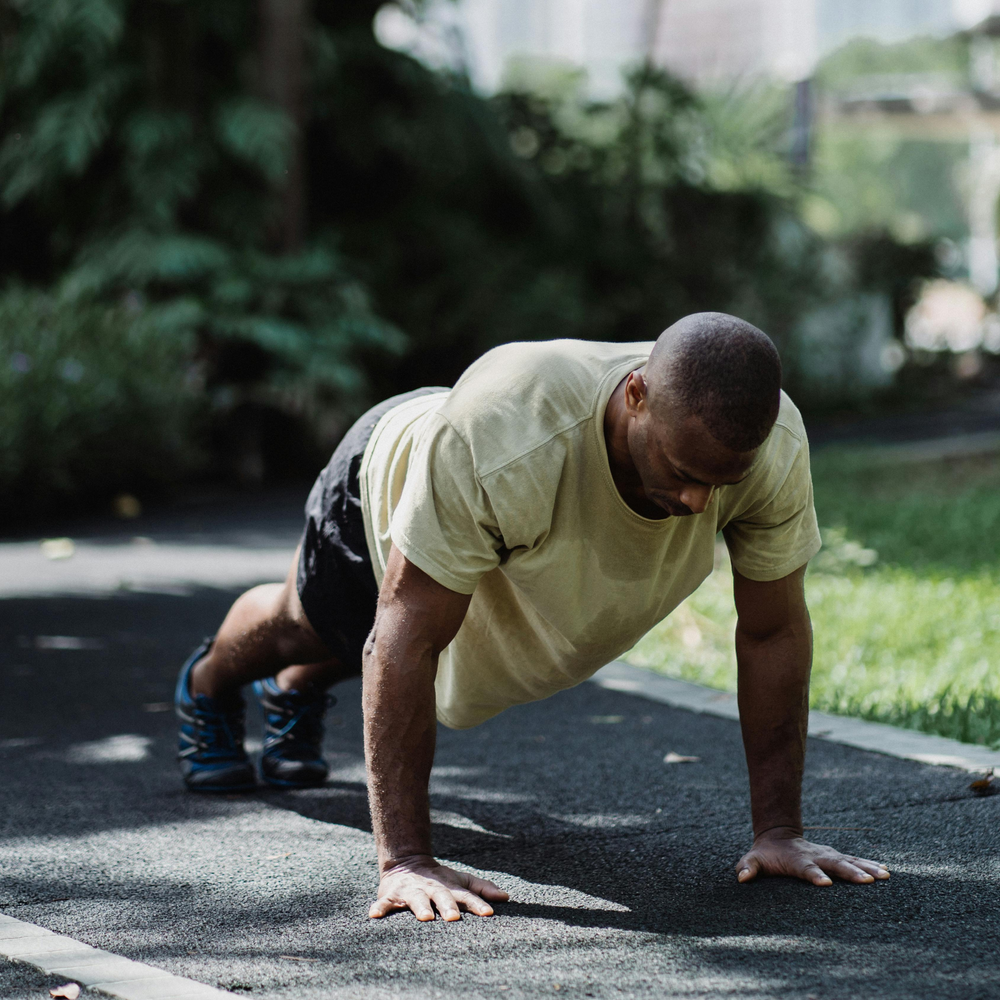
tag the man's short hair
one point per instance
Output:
(724, 371)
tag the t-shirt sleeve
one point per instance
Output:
(780, 534)
(444, 521)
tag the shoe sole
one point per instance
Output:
(278, 783)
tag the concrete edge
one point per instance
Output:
(874, 736)
(112, 974)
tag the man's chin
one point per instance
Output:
(674, 510)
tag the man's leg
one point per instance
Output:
(265, 639)
(266, 634)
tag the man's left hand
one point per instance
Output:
(784, 851)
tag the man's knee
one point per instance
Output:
(297, 639)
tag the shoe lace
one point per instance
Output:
(219, 733)
(302, 725)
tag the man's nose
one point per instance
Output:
(696, 498)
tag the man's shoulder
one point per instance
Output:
(519, 397)
(564, 366)
(789, 421)
(782, 451)
(781, 448)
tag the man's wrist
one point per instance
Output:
(406, 860)
(786, 831)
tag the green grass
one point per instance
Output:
(904, 597)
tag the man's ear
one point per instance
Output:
(635, 391)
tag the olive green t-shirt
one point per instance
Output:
(501, 488)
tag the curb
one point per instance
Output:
(874, 736)
(91, 967)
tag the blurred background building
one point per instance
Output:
(895, 105)
(706, 42)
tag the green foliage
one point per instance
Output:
(540, 214)
(864, 181)
(139, 164)
(972, 718)
(94, 399)
(864, 56)
(302, 310)
(901, 177)
(941, 518)
(743, 134)
(131, 137)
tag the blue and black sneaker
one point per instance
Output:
(210, 751)
(293, 735)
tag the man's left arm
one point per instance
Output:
(774, 657)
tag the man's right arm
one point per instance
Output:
(416, 618)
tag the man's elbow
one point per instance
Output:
(791, 629)
(396, 647)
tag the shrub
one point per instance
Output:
(94, 399)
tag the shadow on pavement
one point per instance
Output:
(620, 866)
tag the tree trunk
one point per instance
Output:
(282, 70)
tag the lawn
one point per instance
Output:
(904, 597)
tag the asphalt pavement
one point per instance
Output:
(619, 866)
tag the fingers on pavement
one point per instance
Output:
(446, 904)
(416, 900)
(487, 890)
(813, 873)
(851, 872)
(747, 868)
(473, 904)
(383, 906)
(874, 868)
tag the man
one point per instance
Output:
(510, 536)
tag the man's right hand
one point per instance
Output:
(420, 884)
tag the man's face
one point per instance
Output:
(678, 460)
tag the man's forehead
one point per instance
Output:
(696, 454)
(716, 476)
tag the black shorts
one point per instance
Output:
(335, 578)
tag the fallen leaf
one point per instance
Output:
(58, 548)
(126, 507)
(606, 720)
(983, 785)
(677, 758)
(297, 958)
(68, 992)
(275, 857)
(67, 642)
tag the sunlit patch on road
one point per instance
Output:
(126, 748)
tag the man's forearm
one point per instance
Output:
(774, 655)
(774, 714)
(400, 729)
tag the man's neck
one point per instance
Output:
(623, 471)
(616, 436)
